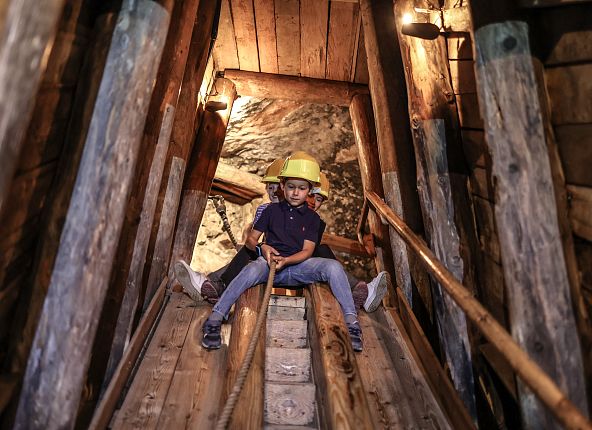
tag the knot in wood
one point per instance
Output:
(509, 43)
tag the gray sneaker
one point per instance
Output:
(355, 335)
(190, 280)
(376, 291)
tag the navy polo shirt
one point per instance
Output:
(287, 227)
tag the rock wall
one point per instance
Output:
(262, 130)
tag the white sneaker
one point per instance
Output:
(376, 291)
(190, 280)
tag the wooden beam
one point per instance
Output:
(456, 19)
(225, 52)
(243, 18)
(341, 398)
(343, 244)
(395, 146)
(200, 173)
(539, 299)
(248, 412)
(306, 90)
(239, 178)
(287, 25)
(106, 407)
(266, 38)
(362, 119)
(343, 30)
(314, 16)
(61, 350)
(580, 211)
(28, 31)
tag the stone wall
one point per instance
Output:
(263, 130)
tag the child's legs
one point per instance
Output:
(323, 251)
(254, 273)
(323, 270)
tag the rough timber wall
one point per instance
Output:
(20, 224)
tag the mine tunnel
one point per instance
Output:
(455, 135)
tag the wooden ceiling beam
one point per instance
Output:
(307, 90)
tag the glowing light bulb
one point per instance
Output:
(407, 18)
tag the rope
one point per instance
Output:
(221, 209)
(246, 364)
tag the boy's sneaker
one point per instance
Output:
(211, 334)
(211, 291)
(190, 280)
(376, 291)
(360, 294)
(355, 334)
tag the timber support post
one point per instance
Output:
(540, 306)
(395, 147)
(62, 346)
(360, 110)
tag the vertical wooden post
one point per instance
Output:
(395, 148)
(362, 118)
(131, 251)
(62, 345)
(195, 190)
(27, 33)
(445, 202)
(538, 288)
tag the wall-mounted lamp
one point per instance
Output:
(213, 106)
(423, 30)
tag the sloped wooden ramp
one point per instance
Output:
(178, 384)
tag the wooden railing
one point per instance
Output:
(531, 374)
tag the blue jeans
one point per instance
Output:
(306, 272)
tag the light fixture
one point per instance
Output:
(213, 106)
(423, 30)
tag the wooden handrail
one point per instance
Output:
(530, 372)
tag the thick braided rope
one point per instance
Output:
(224, 419)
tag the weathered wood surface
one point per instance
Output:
(396, 387)
(501, 368)
(395, 147)
(104, 411)
(436, 376)
(575, 149)
(507, 91)
(438, 212)
(459, 47)
(62, 346)
(200, 173)
(362, 118)
(243, 18)
(240, 179)
(28, 33)
(266, 38)
(287, 364)
(568, 88)
(145, 399)
(285, 313)
(469, 113)
(475, 149)
(456, 19)
(340, 391)
(314, 16)
(343, 244)
(361, 69)
(344, 26)
(286, 334)
(248, 412)
(290, 302)
(225, 53)
(463, 76)
(487, 228)
(580, 211)
(287, 25)
(306, 90)
(300, 397)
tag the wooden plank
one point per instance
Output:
(468, 111)
(475, 148)
(299, 397)
(340, 392)
(493, 289)
(194, 395)
(341, 41)
(266, 39)
(486, 228)
(343, 244)
(65, 60)
(285, 313)
(580, 210)
(568, 88)
(286, 334)
(361, 74)
(43, 145)
(28, 33)
(314, 16)
(526, 213)
(501, 368)
(459, 47)
(306, 90)
(481, 184)
(225, 51)
(575, 149)
(440, 384)
(287, 364)
(146, 397)
(462, 75)
(456, 19)
(239, 178)
(84, 261)
(287, 17)
(105, 408)
(243, 18)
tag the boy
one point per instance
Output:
(291, 230)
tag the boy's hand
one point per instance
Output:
(267, 252)
(279, 262)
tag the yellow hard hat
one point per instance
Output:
(272, 171)
(302, 166)
(323, 189)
